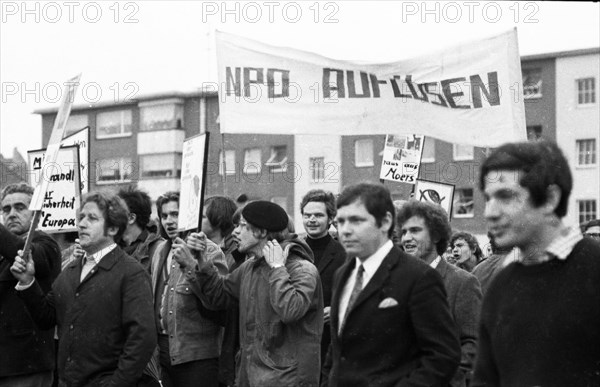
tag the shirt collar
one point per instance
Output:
(435, 262)
(98, 255)
(559, 248)
(372, 263)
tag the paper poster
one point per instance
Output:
(436, 193)
(193, 171)
(402, 158)
(63, 196)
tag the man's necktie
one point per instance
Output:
(88, 265)
(358, 285)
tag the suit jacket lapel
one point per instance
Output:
(73, 272)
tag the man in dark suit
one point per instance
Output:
(390, 321)
(19, 336)
(318, 212)
(101, 302)
(424, 232)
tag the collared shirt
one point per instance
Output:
(559, 248)
(370, 265)
(90, 261)
(435, 262)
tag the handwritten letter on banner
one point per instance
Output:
(467, 94)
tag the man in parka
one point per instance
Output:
(280, 299)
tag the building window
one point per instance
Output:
(317, 168)
(463, 203)
(586, 151)
(277, 162)
(586, 91)
(117, 170)
(462, 152)
(162, 116)
(532, 83)
(252, 160)
(113, 124)
(428, 155)
(228, 164)
(161, 165)
(534, 132)
(75, 123)
(587, 210)
(363, 153)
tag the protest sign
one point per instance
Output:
(436, 193)
(466, 94)
(63, 197)
(193, 172)
(402, 158)
(81, 138)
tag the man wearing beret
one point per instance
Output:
(280, 299)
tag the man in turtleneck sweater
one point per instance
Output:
(318, 211)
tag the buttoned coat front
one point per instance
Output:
(105, 327)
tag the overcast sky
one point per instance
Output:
(134, 48)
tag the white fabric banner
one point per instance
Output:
(468, 94)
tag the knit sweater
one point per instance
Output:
(540, 323)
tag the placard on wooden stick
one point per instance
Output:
(193, 173)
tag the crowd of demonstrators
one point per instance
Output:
(318, 211)
(425, 230)
(20, 337)
(390, 320)
(540, 314)
(189, 335)
(466, 252)
(388, 296)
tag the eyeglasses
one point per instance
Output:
(594, 235)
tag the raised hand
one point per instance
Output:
(182, 254)
(274, 254)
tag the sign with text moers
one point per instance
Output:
(467, 94)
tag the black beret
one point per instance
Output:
(267, 215)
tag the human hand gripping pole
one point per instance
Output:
(23, 269)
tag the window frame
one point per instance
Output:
(122, 162)
(578, 153)
(227, 172)
(121, 133)
(539, 85)
(593, 214)
(176, 171)
(579, 92)
(363, 164)
(456, 157)
(248, 163)
(456, 205)
(277, 166)
(320, 171)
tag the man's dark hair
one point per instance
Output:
(16, 188)
(471, 241)
(541, 164)
(139, 203)
(375, 197)
(435, 218)
(171, 196)
(319, 195)
(114, 210)
(219, 212)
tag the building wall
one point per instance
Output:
(541, 111)
(578, 122)
(305, 148)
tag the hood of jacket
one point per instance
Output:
(299, 248)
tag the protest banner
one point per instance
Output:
(193, 173)
(402, 158)
(467, 94)
(437, 193)
(81, 138)
(63, 197)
